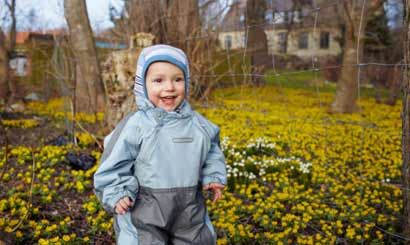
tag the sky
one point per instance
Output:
(49, 14)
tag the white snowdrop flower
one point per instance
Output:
(304, 167)
(252, 176)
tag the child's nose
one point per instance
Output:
(169, 85)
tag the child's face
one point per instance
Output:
(165, 85)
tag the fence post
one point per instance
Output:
(406, 122)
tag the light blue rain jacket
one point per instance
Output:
(160, 150)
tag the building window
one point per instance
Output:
(243, 40)
(283, 42)
(228, 42)
(297, 16)
(303, 42)
(269, 16)
(324, 40)
(242, 18)
(279, 17)
(19, 65)
(286, 17)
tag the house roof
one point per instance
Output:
(23, 36)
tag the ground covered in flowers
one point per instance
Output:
(297, 174)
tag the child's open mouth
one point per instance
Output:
(168, 100)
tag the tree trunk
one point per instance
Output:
(90, 94)
(12, 44)
(346, 91)
(406, 124)
(395, 81)
(8, 83)
(355, 15)
(12, 9)
(4, 69)
(256, 43)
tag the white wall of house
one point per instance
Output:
(311, 47)
(237, 39)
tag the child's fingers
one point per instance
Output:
(216, 185)
(127, 201)
(212, 186)
(119, 209)
(217, 194)
(123, 205)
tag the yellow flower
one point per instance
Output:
(55, 239)
(43, 242)
(66, 238)
(19, 234)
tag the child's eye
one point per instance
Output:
(179, 79)
(158, 80)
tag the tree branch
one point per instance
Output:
(375, 5)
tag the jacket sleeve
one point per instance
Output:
(214, 169)
(114, 178)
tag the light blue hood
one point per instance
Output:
(155, 53)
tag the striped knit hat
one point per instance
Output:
(155, 53)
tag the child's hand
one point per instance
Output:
(123, 205)
(216, 189)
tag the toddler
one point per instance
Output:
(157, 160)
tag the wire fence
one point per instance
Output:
(314, 13)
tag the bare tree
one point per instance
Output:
(177, 23)
(90, 90)
(8, 88)
(12, 10)
(256, 38)
(355, 14)
(4, 68)
(140, 16)
(406, 123)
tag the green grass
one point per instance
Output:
(312, 81)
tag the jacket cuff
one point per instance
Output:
(112, 201)
(212, 179)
